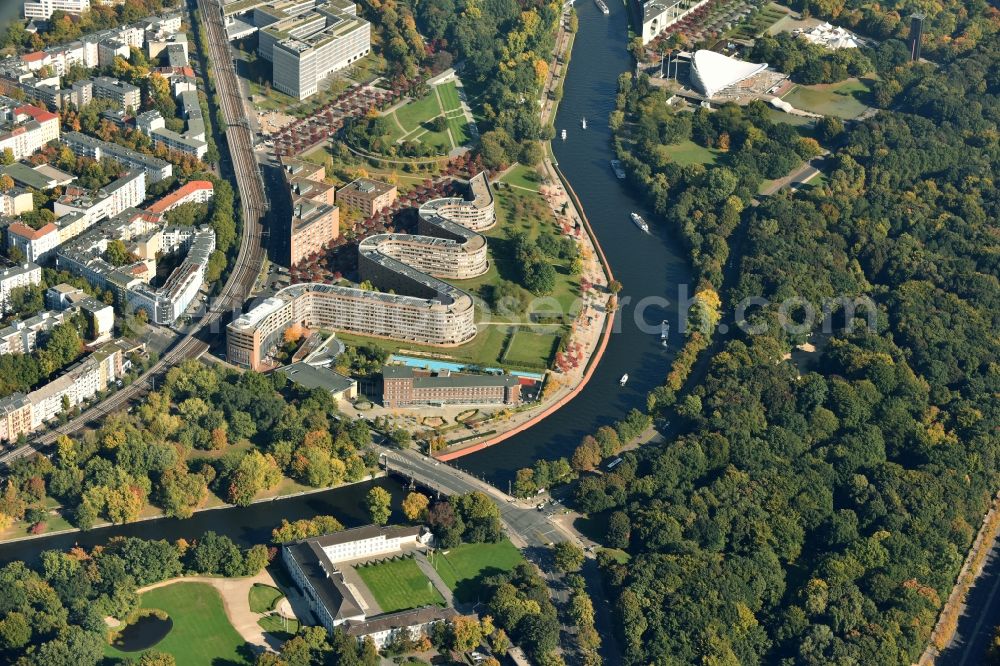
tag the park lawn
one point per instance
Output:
(461, 567)
(201, 634)
(264, 598)
(531, 348)
(847, 99)
(399, 585)
(523, 176)
(459, 130)
(448, 92)
(689, 152)
(413, 114)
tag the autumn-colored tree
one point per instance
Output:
(256, 472)
(587, 455)
(415, 506)
(379, 503)
(466, 634)
(293, 333)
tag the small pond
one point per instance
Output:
(143, 634)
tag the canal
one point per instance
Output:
(649, 266)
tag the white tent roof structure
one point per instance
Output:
(712, 72)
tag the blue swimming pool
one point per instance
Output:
(437, 366)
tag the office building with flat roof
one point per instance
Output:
(658, 15)
(306, 42)
(43, 9)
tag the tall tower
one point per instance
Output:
(916, 34)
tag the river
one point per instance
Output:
(647, 265)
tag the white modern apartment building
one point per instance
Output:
(25, 275)
(21, 337)
(42, 9)
(16, 201)
(307, 43)
(127, 192)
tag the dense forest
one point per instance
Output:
(817, 508)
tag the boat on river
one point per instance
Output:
(624, 380)
(664, 332)
(639, 222)
(616, 166)
(564, 135)
(603, 7)
(583, 123)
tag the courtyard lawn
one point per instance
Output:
(399, 585)
(409, 122)
(462, 567)
(281, 628)
(201, 634)
(531, 348)
(264, 598)
(847, 99)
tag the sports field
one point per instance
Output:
(462, 567)
(201, 633)
(399, 585)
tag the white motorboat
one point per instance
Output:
(639, 222)
(564, 135)
(583, 123)
(664, 332)
(623, 380)
(603, 7)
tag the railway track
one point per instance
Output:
(253, 204)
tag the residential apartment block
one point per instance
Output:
(21, 414)
(367, 195)
(154, 168)
(35, 244)
(16, 201)
(26, 129)
(125, 95)
(25, 275)
(194, 191)
(424, 308)
(315, 220)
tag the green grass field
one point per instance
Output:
(201, 635)
(409, 121)
(463, 565)
(399, 585)
(847, 99)
(689, 152)
(264, 598)
(523, 176)
(529, 347)
(281, 628)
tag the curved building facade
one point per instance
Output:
(422, 309)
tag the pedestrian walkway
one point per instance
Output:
(435, 578)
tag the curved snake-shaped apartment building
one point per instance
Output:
(421, 307)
